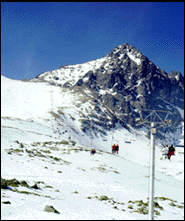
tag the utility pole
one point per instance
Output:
(153, 122)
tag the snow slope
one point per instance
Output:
(71, 73)
(73, 182)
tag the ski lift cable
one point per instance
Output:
(164, 134)
(128, 140)
(113, 139)
(117, 141)
(171, 138)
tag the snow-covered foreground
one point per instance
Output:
(74, 182)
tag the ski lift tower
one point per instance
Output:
(51, 91)
(69, 140)
(155, 121)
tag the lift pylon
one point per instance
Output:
(153, 119)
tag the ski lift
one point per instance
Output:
(174, 139)
(164, 147)
(167, 152)
(164, 152)
(93, 147)
(164, 136)
(128, 140)
(114, 140)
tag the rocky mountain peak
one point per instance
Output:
(123, 82)
(176, 76)
(121, 52)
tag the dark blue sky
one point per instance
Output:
(39, 37)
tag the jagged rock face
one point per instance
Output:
(124, 81)
(133, 82)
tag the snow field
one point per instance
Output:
(73, 183)
(97, 175)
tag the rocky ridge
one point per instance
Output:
(119, 85)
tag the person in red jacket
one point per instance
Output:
(171, 151)
(114, 148)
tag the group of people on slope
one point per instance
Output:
(93, 151)
(115, 148)
(167, 152)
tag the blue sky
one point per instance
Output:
(42, 36)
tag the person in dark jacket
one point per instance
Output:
(93, 151)
(117, 148)
(171, 151)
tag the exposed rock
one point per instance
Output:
(50, 209)
(123, 82)
(6, 202)
(35, 186)
(5, 183)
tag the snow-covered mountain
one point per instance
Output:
(119, 86)
(40, 172)
(83, 102)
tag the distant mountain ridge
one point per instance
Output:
(120, 84)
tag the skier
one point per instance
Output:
(171, 151)
(93, 151)
(164, 152)
(117, 148)
(114, 148)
